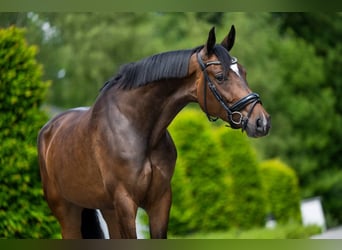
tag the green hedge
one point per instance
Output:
(280, 186)
(23, 210)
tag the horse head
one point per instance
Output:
(223, 91)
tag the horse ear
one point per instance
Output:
(209, 47)
(228, 41)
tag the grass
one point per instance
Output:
(290, 231)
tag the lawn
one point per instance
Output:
(290, 231)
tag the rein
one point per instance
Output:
(233, 112)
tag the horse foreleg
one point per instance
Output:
(111, 219)
(125, 212)
(158, 212)
(69, 217)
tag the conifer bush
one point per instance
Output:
(199, 189)
(280, 186)
(23, 210)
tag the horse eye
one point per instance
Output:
(219, 77)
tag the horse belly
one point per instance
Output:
(88, 196)
(91, 188)
(81, 184)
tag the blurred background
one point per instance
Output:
(224, 182)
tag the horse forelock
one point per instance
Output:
(223, 56)
(163, 66)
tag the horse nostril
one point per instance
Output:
(260, 126)
(263, 125)
(259, 123)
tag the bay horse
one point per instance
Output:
(117, 155)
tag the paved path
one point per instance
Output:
(334, 233)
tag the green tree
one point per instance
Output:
(319, 162)
(23, 210)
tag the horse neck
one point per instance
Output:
(149, 109)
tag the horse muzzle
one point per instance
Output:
(260, 126)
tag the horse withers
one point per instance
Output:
(117, 155)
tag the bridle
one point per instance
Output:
(234, 115)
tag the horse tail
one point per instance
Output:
(90, 227)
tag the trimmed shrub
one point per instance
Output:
(248, 207)
(199, 187)
(23, 210)
(280, 185)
